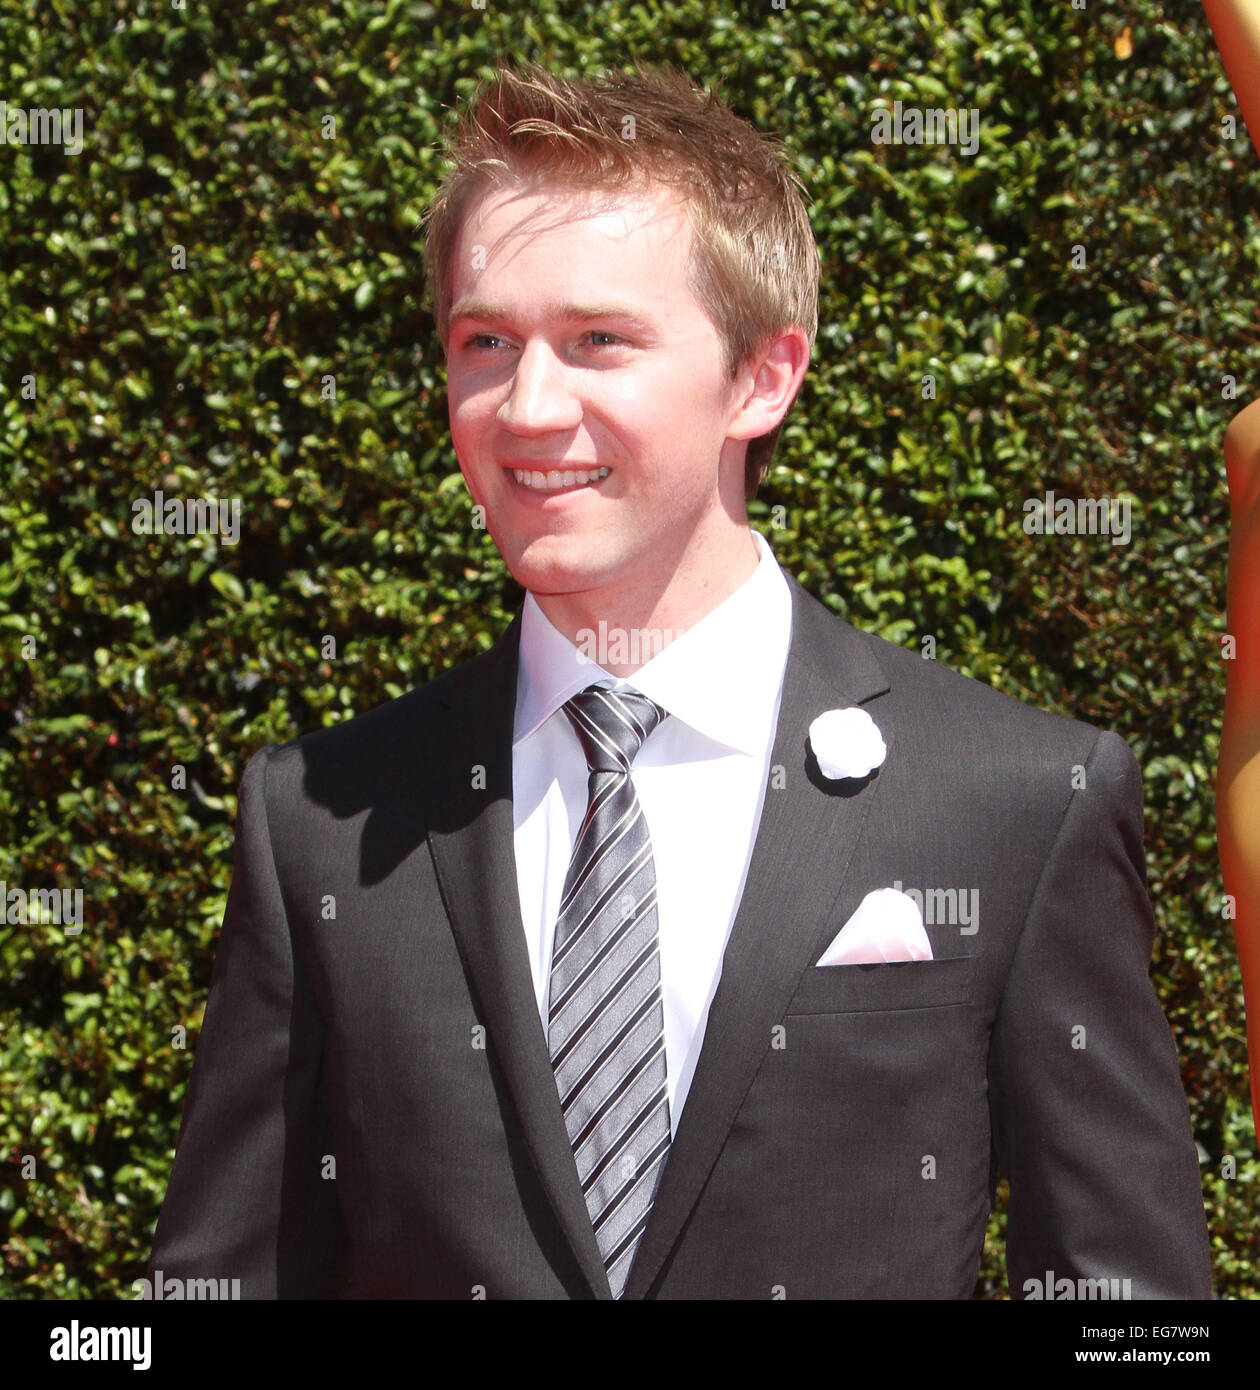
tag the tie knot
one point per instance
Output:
(612, 725)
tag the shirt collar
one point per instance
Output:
(721, 677)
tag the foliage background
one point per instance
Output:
(204, 129)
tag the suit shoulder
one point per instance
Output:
(940, 691)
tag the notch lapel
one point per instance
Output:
(803, 846)
(801, 853)
(473, 855)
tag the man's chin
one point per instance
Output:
(555, 566)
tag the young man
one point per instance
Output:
(629, 991)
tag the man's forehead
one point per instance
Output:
(531, 210)
(536, 206)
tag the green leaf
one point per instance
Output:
(228, 585)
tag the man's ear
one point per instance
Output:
(768, 384)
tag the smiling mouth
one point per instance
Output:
(558, 481)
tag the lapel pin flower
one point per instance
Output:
(847, 743)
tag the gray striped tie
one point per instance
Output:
(606, 1023)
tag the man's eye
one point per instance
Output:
(479, 340)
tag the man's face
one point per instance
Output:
(575, 344)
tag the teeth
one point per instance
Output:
(556, 479)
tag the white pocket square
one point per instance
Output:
(887, 926)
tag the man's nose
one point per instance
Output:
(542, 396)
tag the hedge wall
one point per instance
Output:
(240, 225)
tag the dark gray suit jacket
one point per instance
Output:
(372, 1112)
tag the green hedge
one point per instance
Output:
(124, 657)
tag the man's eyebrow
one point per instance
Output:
(565, 312)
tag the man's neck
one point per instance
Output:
(622, 627)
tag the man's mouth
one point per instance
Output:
(556, 480)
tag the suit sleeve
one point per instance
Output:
(1089, 1118)
(246, 1198)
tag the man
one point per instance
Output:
(574, 1030)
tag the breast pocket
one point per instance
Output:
(888, 986)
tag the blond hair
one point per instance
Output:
(753, 267)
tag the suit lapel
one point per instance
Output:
(800, 856)
(472, 846)
(803, 846)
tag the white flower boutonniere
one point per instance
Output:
(847, 743)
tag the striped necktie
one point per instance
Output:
(606, 1022)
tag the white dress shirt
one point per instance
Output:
(700, 778)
